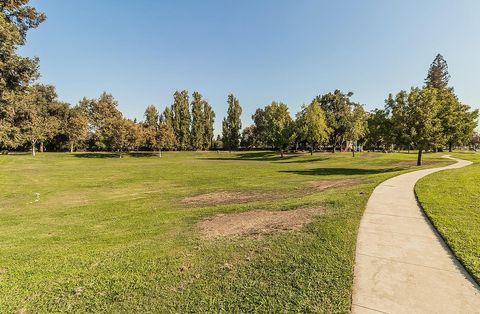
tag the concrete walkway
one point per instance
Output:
(402, 265)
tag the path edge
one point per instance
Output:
(435, 229)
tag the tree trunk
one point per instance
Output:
(33, 149)
(311, 150)
(281, 153)
(333, 150)
(353, 152)
(450, 146)
(419, 159)
(160, 152)
(71, 147)
(42, 148)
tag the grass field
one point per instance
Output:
(96, 233)
(451, 200)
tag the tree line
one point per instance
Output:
(427, 118)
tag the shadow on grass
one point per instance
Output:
(266, 156)
(340, 171)
(116, 155)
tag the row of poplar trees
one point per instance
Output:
(31, 116)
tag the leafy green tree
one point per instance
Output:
(357, 126)
(103, 119)
(168, 140)
(259, 131)
(209, 120)
(312, 125)
(424, 122)
(458, 121)
(151, 128)
(475, 141)
(76, 127)
(119, 140)
(248, 137)
(438, 75)
(279, 127)
(198, 122)
(379, 129)
(151, 117)
(181, 119)
(232, 124)
(397, 108)
(37, 123)
(337, 107)
(16, 72)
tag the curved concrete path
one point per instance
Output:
(402, 265)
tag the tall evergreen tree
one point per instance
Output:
(232, 124)
(209, 120)
(181, 119)
(198, 121)
(438, 76)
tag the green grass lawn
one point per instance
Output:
(451, 200)
(95, 233)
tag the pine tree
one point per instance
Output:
(198, 121)
(181, 119)
(438, 76)
(232, 124)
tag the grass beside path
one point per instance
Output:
(97, 233)
(451, 200)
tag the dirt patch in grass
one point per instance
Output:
(256, 222)
(330, 184)
(222, 197)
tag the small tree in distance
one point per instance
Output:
(312, 126)
(278, 126)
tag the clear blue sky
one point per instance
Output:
(142, 51)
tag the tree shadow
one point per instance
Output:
(96, 155)
(116, 155)
(340, 171)
(304, 161)
(258, 156)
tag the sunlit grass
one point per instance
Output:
(451, 200)
(98, 233)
